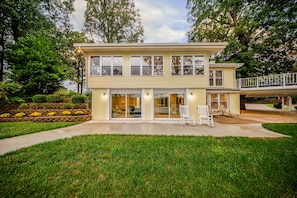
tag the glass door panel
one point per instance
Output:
(161, 106)
(166, 105)
(118, 106)
(134, 105)
(126, 105)
(175, 101)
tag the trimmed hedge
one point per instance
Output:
(53, 98)
(78, 99)
(39, 98)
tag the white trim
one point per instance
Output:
(108, 104)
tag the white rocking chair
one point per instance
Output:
(185, 116)
(204, 116)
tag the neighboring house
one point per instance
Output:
(149, 82)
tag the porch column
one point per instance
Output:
(290, 103)
(283, 102)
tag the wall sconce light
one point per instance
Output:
(104, 94)
(191, 94)
(147, 94)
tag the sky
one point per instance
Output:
(164, 21)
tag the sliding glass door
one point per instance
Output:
(126, 104)
(166, 103)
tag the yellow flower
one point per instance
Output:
(51, 113)
(79, 113)
(66, 113)
(5, 115)
(20, 115)
(35, 114)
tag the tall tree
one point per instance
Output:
(35, 65)
(113, 21)
(261, 34)
(21, 17)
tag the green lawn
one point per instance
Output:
(12, 129)
(154, 166)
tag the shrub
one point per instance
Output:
(72, 106)
(33, 106)
(45, 106)
(20, 115)
(52, 113)
(66, 113)
(18, 99)
(66, 106)
(53, 98)
(39, 98)
(35, 114)
(79, 113)
(23, 106)
(78, 99)
(5, 115)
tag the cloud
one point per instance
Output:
(163, 20)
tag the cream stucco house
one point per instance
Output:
(149, 82)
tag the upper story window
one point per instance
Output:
(106, 66)
(146, 65)
(184, 65)
(215, 78)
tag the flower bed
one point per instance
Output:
(81, 118)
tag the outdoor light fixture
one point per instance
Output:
(104, 94)
(147, 94)
(191, 94)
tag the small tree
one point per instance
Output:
(36, 65)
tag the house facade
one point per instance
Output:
(148, 82)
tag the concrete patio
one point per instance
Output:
(137, 128)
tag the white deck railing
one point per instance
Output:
(278, 80)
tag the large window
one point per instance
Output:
(106, 66)
(146, 65)
(184, 65)
(215, 78)
(216, 99)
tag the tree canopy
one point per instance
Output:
(35, 65)
(261, 34)
(110, 21)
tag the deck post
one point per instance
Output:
(283, 102)
(284, 79)
(290, 103)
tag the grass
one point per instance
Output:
(154, 166)
(12, 129)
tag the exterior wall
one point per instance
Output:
(228, 76)
(234, 101)
(147, 82)
(100, 104)
(198, 98)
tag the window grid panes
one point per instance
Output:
(184, 65)
(147, 65)
(215, 100)
(106, 66)
(215, 78)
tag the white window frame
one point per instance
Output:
(152, 65)
(219, 100)
(193, 65)
(214, 79)
(100, 66)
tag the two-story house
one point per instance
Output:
(149, 82)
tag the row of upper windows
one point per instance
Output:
(147, 65)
